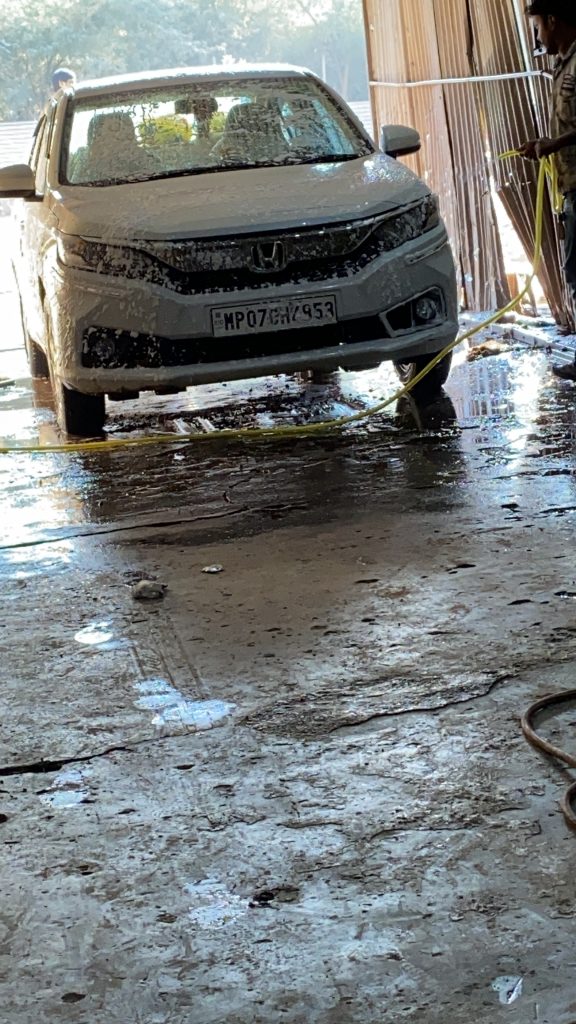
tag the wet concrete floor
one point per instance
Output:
(294, 790)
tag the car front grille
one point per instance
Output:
(208, 266)
(138, 265)
(254, 253)
(108, 349)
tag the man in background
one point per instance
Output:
(63, 78)
(555, 25)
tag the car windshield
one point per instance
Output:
(205, 126)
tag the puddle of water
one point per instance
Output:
(65, 798)
(171, 707)
(96, 634)
(213, 905)
(154, 686)
(114, 645)
(10, 392)
(199, 715)
(55, 558)
(264, 419)
(68, 789)
(508, 988)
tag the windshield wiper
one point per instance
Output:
(183, 172)
(135, 179)
(325, 158)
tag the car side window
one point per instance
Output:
(41, 154)
(37, 143)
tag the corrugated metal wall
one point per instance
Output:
(462, 125)
(15, 141)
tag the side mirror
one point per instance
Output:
(397, 140)
(17, 182)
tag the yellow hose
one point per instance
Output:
(547, 170)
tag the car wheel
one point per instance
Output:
(432, 383)
(77, 413)
(37, 359)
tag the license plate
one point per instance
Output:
(274, 315)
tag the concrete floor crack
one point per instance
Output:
(419, 709)
(117, 528)
(405, 829)
(46, 766)
(313, 823)
(161, 524)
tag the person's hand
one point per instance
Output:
(535, 149)
(529, 149)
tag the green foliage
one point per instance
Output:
(217, 123)
(162, 131)
(107, 37)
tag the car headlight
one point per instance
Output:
(84, 254)
(409, 224)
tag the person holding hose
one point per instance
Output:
(555, 25)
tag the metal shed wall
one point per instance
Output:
(465, 126)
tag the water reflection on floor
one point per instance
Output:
(504, 411)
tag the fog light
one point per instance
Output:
(426, 309)
(103, 349)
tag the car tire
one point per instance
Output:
(433, 382)
(37, 358)
(78, 414)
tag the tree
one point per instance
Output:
(104, 37)
(333, 44)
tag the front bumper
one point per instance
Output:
(174, 330)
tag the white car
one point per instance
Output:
(201, 225)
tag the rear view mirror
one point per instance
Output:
(17, 182)
(397, 140)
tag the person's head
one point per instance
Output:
(63, 78)
(555, 23)
(203, 107)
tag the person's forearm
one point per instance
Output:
(569, 139)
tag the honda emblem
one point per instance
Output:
(268, 257)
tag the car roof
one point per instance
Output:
(192, 75)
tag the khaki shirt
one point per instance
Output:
(563, 118)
